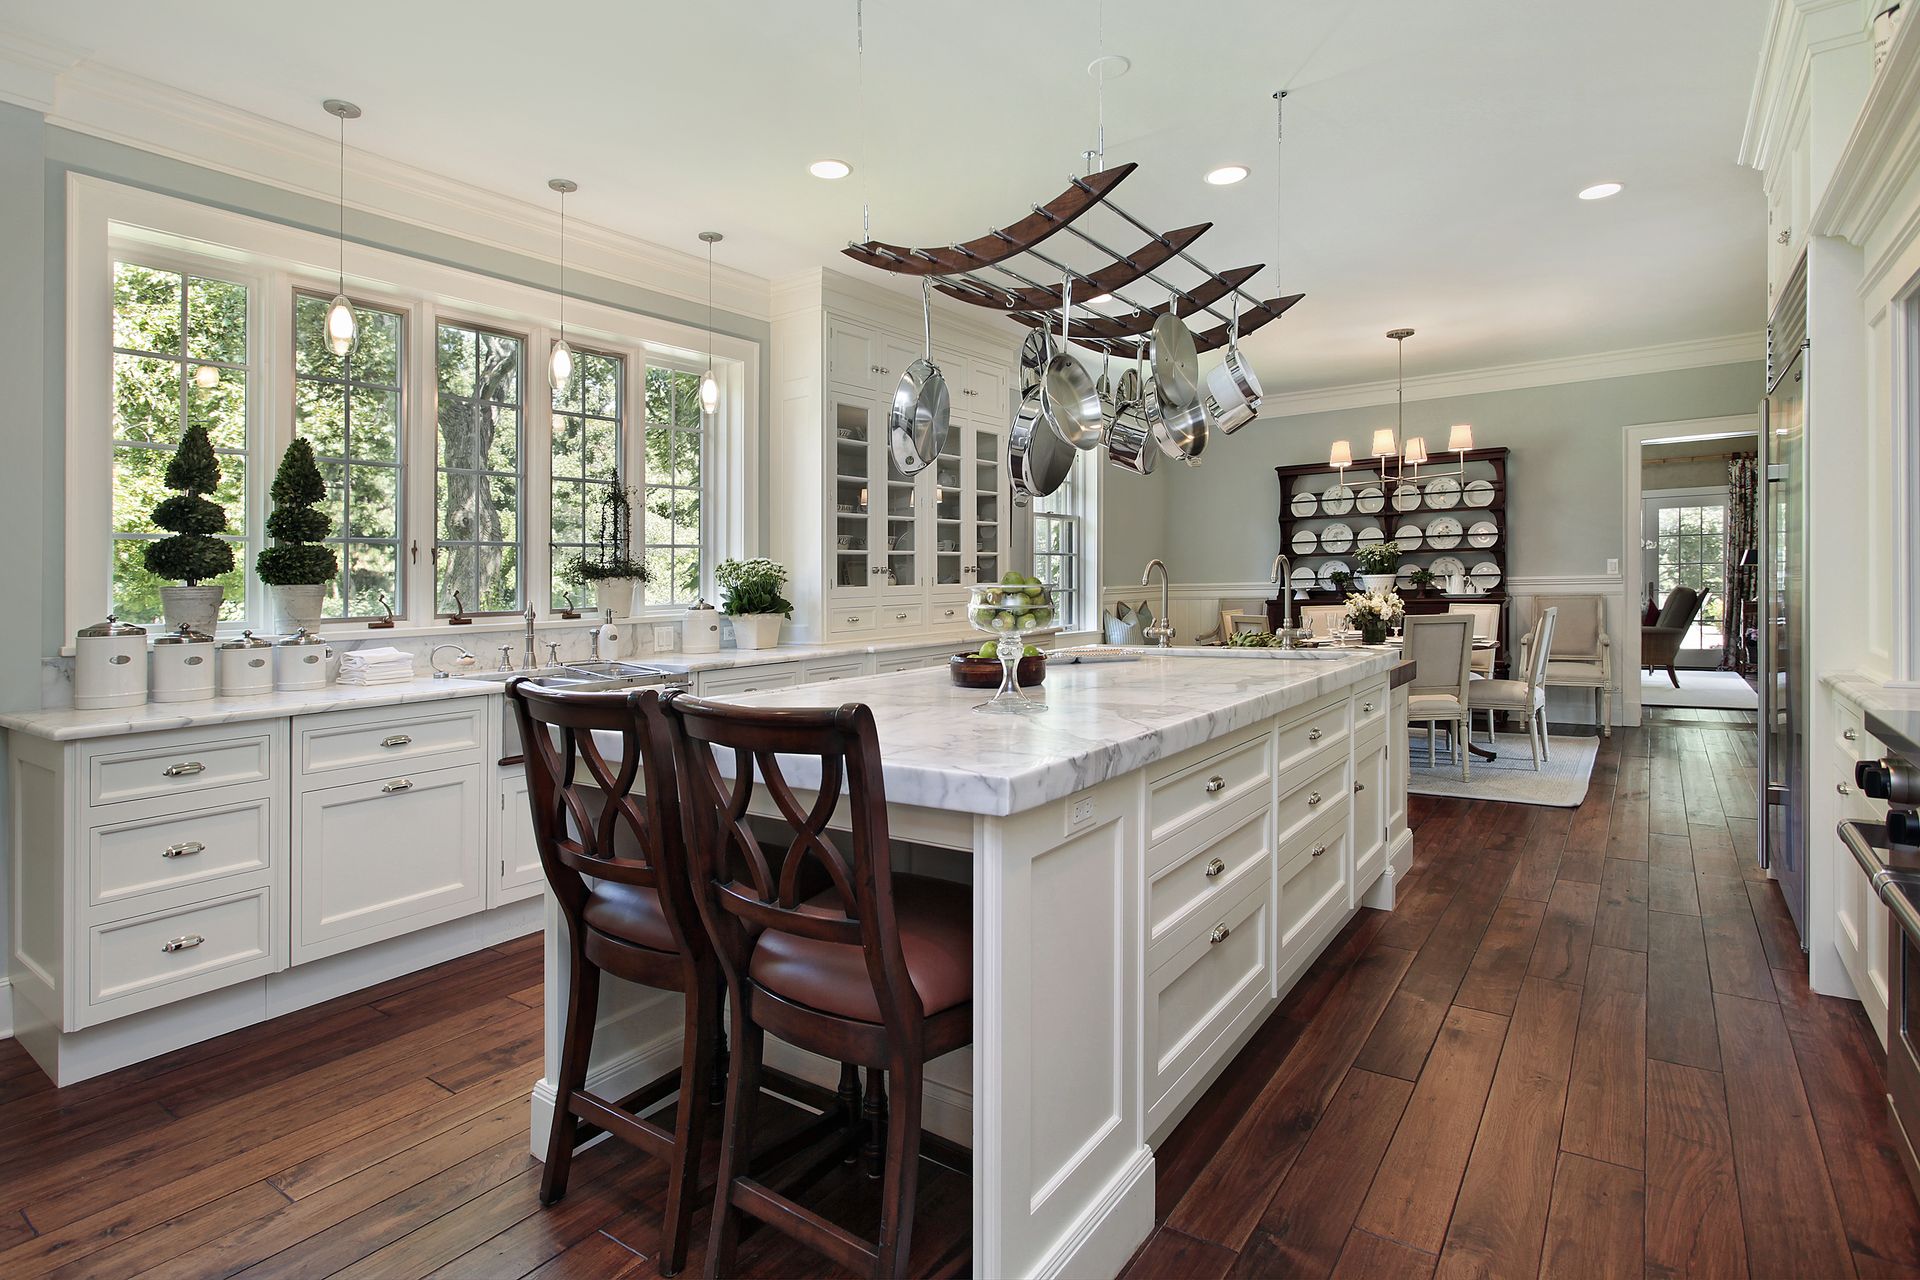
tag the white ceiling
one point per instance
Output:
(1432, 150)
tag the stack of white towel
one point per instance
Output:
(384, 665)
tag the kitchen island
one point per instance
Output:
(1155, 860)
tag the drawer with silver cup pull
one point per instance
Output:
(439, 734)
(125, 860)
(150, 765)
(148, 960)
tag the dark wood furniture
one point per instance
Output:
(824, 946)
(638, 921)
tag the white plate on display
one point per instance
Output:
(1479, 493)
(1371, 501)
(1445, 567)
(1443, 534)
(1484, 533)
(1369, 538)
(1330, 568)
(1304, 505)
(1337, 501)
(1406, 497)
(1443, 493)
(1409, 536)
(1404, 578)
(1304, 579)
(1304, 542)
(1336, 538)
(1486, 575)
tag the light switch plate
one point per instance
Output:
(1613, 567)
(1079, 813)
(662, 638)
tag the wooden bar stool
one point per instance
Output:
(638, 922)
(875, 968)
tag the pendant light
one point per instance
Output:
(342, 331)
(560, 365)
(710, 385)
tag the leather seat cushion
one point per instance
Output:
(1511, 694)
(935, 919)
(1433, 706)
(630, 913)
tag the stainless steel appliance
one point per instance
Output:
(1782, 537)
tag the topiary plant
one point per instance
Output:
(193, 553)
(298, 558)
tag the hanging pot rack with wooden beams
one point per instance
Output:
(977, 272)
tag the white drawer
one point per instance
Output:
(841, 621)
(901, 617)
(1313, 885)
(1200, 996)
(773, 675)
(1185, 795)
(947, 615)
(1180, 896)
(847, 669)
(154, 959)
(1370, 706)
(1303, 744)
(183, 764)
(128, 859)
(1847, 720)
(1309, 803)
(388, 738)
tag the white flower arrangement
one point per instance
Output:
(1381, 607)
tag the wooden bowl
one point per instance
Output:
(970, 672)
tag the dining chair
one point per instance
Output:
(614, 858)
(1582, 652)
(1486, 626)
(1322, 619)
(872, 967)
(1440, 645)
(1525, 696)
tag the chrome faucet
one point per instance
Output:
(1161, 632)
(527, 659)
(1285, 580)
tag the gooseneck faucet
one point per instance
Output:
(1161, 632)
(1285, 580)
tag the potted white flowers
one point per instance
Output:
(1377, 563)
(1373, 612)
(750, 596)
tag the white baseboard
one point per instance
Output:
(612, 1079)
(6, 1009)
(1103, 1237)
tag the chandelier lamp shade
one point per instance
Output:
(342, 329)
(560, 364)
(1398, 455)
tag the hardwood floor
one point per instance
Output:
(1582, 1046)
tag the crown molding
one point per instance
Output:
(125, 108)
(1796, 30)
(1882, 150)
(30, 71)
(1693, 354)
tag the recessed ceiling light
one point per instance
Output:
(830, 169)
(1600, 191)
(1100, 301)
(1226, 175)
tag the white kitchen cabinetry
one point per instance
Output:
(1861, 922)
(517, 870)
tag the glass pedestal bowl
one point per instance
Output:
(1009, 611)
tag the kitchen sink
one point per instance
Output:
(581, 677)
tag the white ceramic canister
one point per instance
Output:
(182, 666)
(700, 629)
(246, 666)
(110, 665)
(300, 661)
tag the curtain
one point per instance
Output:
(1742, 618)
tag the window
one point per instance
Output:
(676, 458)
(348, 408)
(586, 458)
(179, 357)
(1057, 551)
(477, 548)
(1685, 541)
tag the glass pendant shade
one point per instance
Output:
(1341, 455)
(1416, 450)
(709, 392)
(1460, 438)
(561, 364)
(341, 328)
(1383, 443)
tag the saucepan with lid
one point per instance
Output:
(1129, 436)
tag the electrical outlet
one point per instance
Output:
(1079, 813)
(663, 638)
(1613, 567)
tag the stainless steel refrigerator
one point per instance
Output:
(1782, 571)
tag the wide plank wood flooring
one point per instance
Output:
(1582, 1046)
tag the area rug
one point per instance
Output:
(1560, 781)
(1725, 690)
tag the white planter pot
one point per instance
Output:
(622, 595)
(299, 607)
(1377, 581)
(757, 630)
(197, 607)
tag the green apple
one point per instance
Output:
(991, 649)
(1031, 651)
(1001, 622)
(1012, 578)
(1027, 622)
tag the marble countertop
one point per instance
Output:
(63, 723)
(727, 659)
(1893, 714)
(1103, 719)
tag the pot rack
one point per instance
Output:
(972, 270)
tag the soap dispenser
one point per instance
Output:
(607, 637)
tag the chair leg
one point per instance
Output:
(876, 1112)
(895, 1241)
(1533, 741)
(690, 1121)
(1673, 675)
(1433, 732)
(1460, 747)
(576, 1045)
(736, 1140)
(848, 1097)
(1546, 752)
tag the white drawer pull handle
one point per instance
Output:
(183, 850)
(1358, 787)
(402, 784)
(1366, 707)
(397, 740)
(1314, 734)
(1319, 849)
(1851, 735)
(1313, 798)
(899, 617)
(1215, 867)
(949, 613)
(853, 619)
(183, 769)
(1215, 783)
(185, 942)
(1843, 788)
(1218, 936)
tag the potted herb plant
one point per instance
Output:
(608, 566)
(1377, 562)
(298, 567)
(192, 554)
(750, 595)
(1372, 613)
(1423, 580)
(1342, 581)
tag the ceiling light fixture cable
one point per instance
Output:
(860, 89)
(560, 364)
(1279, 135)
(709, 384)
(342, 329)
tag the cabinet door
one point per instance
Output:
(904, 531)
(517, 872)
(853, 355)
(947, 504)
(1372, 777)
(986, 395)
(378, 859)
(852, 451)
(984, 503)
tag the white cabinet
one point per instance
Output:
(1372, 779)
(752, 679)
(1861, 922)
(517, 872)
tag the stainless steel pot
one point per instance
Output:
(1130, 441)
(1233, 389)
(1038, 460)
(1180, 429)
(917, 422)
(1071, 402)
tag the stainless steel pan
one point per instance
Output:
(1072, 403)
(1034, 354)
(1129, 435)
(917, 422)
(1038, 460)
(1176, 360)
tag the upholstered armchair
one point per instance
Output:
(1660, 643)
(1580, 655)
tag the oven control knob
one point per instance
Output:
(1874, 777)
(1903, 827)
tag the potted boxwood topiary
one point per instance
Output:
(298, 567)
(750, 595)
(192, 554)
(609, 566)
